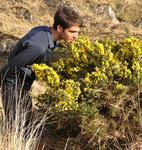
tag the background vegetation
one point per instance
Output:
(94, 93)
(92, 97)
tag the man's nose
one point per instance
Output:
(75, 35)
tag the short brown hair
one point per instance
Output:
(67, 16)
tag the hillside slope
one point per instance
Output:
(103, 19)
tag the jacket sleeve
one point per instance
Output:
(26, 57)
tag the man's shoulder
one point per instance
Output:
(41, 28)
(37, 36)
(36, 31)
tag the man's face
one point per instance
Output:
(70, 34)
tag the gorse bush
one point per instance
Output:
(63, 95)
(47, 74)
(107, 60)
(99, 80)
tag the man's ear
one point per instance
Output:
(59, 29)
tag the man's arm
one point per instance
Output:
(33, 47)
(26, 57)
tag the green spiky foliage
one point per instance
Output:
(101, 81)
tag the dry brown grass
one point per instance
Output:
(13, 22)
(13, 137)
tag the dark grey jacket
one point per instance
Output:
(35, 47)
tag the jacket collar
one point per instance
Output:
(52, 43)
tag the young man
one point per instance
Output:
(35, 47)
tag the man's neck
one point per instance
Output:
(55, 34)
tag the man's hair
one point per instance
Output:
(66, 16)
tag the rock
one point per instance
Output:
(138, 23)
(7, 42)
(24, 13)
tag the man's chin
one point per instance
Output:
(68, 42)
(71, 41)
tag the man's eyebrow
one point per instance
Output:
(73, 30)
